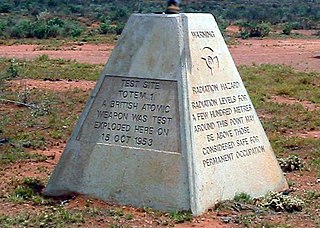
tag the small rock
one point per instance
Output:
(2, 141)
(226, 219)
(221, 213)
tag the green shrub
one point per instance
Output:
(29, 190)
(222, 24)
(105, 27)
(23, 29)
(121, 14)
(77, 9)
(180, 216)
(54, 31)
(55, 27)
(296, 25)
(243, 198)
(23, 192)
(40, 30)
(253, 29)
(13, 71)
(244, 34)
(119, 28)
(287, 28)
(73, 29)
(280, 202)
(56, 21)
(53, 3)
(46, 28)
(291, 163)
(5, 7)
(3, 26)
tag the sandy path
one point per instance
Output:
(300, 53)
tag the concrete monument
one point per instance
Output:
(169, 124)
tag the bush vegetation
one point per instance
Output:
(254, 29)
(44, 19)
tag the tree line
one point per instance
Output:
(70, 18)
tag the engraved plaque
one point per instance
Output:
(134, 112)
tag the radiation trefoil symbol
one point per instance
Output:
(210, 59)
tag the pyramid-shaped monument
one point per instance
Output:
(169, 124)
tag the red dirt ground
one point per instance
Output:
(302, 54)
(61, 85)
(87, 53)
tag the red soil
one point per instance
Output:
(301, 54)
